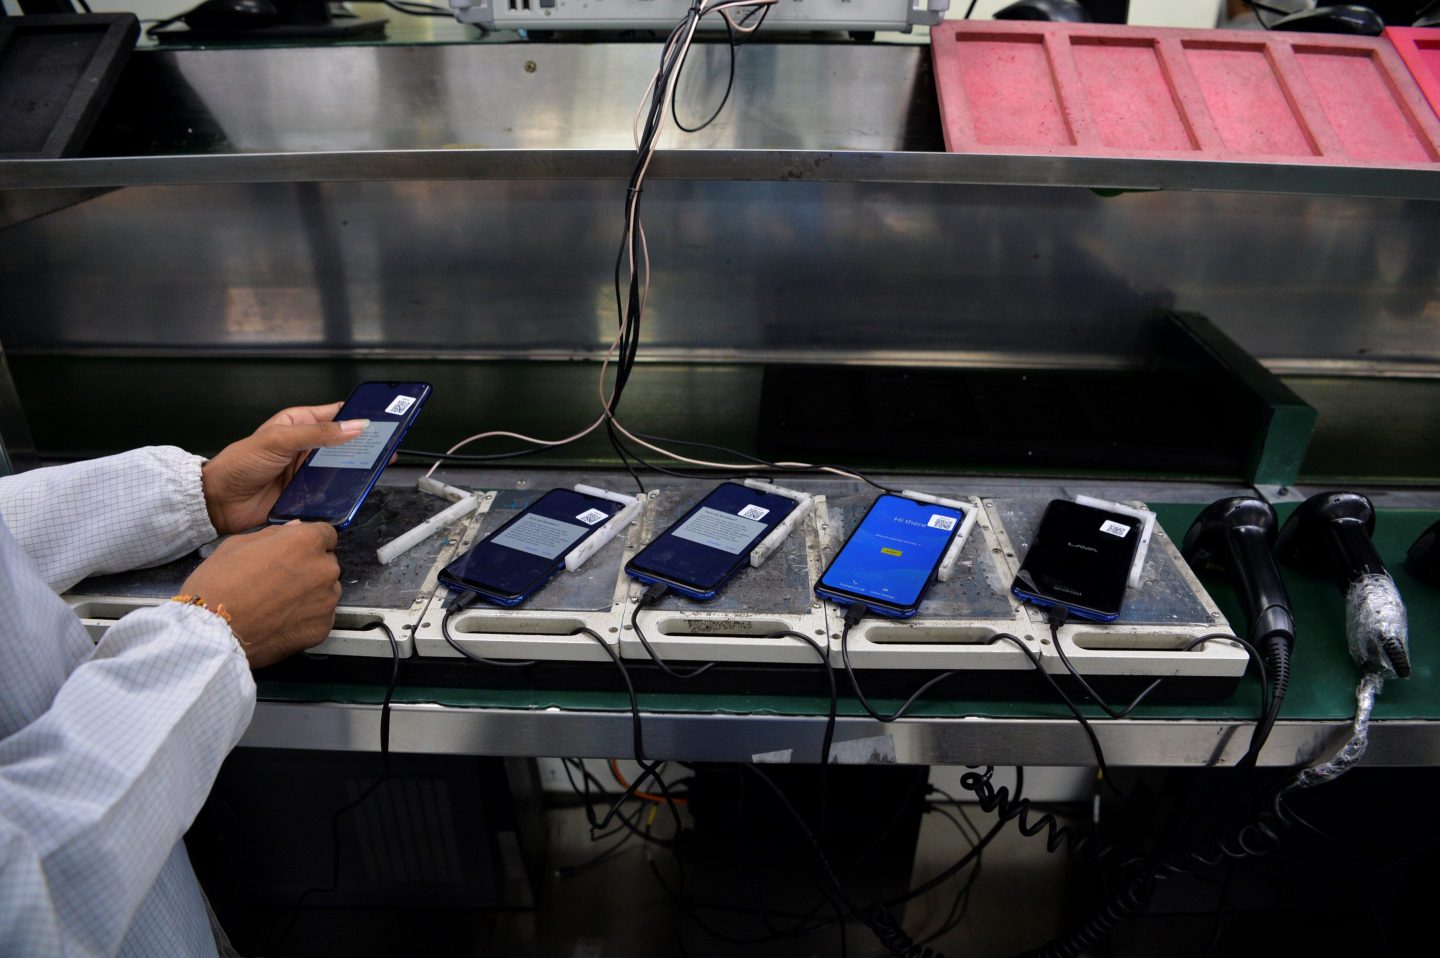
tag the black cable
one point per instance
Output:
(597, 830)
(85, 5)
(384, 775)
(650, 596)
(961, 905)
(1056, 621)
(1000, 802)
(1256, 7)
(1260, 837)
(877, 918)
(830, 718)
(729, 85)
(648, 769)
(445, 631)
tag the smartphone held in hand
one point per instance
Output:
(333, 481)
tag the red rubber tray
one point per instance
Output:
(1419, 47)
(1118, 91)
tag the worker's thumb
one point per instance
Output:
(288, 438)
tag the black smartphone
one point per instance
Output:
(1079, 559)
(333, 481)
(892, 556)
(510, 564)
(704, 549)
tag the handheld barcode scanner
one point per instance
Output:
(1423, 559)
(1237, 536)
(1329, 535)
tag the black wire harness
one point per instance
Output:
(359, 799)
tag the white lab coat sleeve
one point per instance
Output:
(95, 792)
(137, 509)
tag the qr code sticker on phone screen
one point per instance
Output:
(941, 522)
(399, 405)
(591, 516)
(754, 512)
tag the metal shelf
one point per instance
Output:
(821, 166)
(436, 729)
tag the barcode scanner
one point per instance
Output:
(1423, 559)
(1237, 535)
(1329, 536)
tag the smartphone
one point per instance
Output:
(704, 549)
(510, 564)
(892, 556)
(1080, 560)
(333, 481)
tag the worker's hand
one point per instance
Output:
(245, 479)
(280, 586)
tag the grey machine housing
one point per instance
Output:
(790, 15)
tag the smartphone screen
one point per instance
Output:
(709, 544)
(333, 481)
(1080, 559)
(521, 556)
(892, 556)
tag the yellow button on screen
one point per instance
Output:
(890, 552)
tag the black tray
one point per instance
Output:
(56, 72)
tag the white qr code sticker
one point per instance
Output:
(1117, 529)
(591, 516)
(941, 522)
(753, 512)
(399, 405)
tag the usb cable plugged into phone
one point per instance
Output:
(651, 594)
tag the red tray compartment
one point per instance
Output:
(1102, 90)
(1419, 47)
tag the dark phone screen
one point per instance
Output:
(892, 555)
(1080, 559)
(333, 481)
(517, 558)
(707, 544)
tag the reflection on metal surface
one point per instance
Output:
(864, 271)
(17, 206)
(434, 729)
(514, 96)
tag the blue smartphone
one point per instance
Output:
(704, 549)
(514, 561)
(333, 481)
(892, 556)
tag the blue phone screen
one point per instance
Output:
(893, 553)
(334, 480)
(708, 544)
(521, 555)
